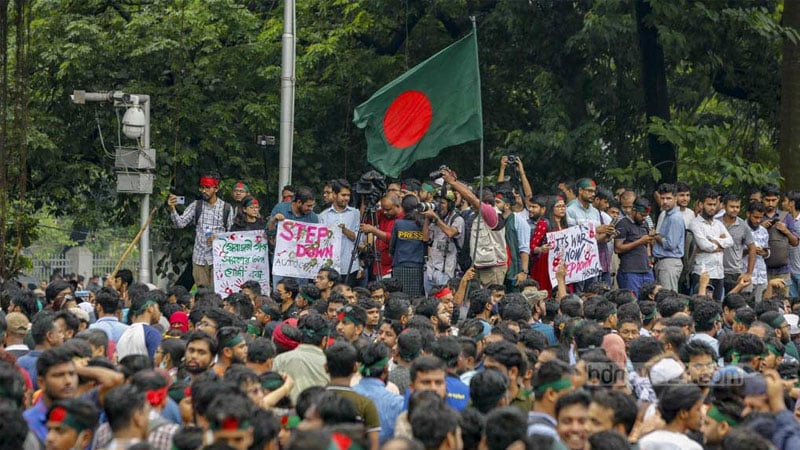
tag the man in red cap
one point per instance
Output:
(211, 215)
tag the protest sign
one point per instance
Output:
(301, 249)
(576, 247)
(238, 257)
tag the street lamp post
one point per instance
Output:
(135, 125)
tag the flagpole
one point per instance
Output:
(480, 183)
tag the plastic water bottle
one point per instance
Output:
(207, 231)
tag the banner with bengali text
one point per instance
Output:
(576, 247)
(240, 256)
(301, 249)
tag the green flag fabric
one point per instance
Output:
(436, 104)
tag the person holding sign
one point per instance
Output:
(581, 212)
(299, 208)
(344, 218)
(248, 217)
(631, 245)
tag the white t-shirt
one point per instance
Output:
(668, 440)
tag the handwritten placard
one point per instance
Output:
(238, 257)
(301, 249)
(576, 247)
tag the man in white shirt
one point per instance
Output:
(711, 238)
(344, 218)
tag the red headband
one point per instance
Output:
(443, 292)
(254, 203)
(208, 182)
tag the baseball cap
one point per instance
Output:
(18, 323)
(665, 371)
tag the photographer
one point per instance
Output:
(389, 212)
(340, 216)
(515, 162)
(446, 236)
(407, 246)
(490, 255)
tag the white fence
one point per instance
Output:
(78, 260)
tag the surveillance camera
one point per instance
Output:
(133, 122)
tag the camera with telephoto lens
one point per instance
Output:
(427, 206)
(512, 160)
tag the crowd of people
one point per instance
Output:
(440, 330)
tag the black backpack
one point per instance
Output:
(226, 213)
(463, 258)
(778, 246)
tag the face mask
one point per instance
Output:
(495, 308)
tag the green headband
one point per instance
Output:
(736, 356)
(144, 307)
(771, 348)
(375, 369)
(719, 416)
(307, 297)
(557, 385)
(234, 341)
(60, 415)
(738, 319)
(586, 184)
(651, 316)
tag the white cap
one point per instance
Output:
(665, 371)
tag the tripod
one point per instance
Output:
(370, 213)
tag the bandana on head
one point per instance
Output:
(241, 185)
(719, 416)
(444, 292)
(207, 182)
(234, 341)
(641, 209)
(374, 369)
(230, 423)
(156, 396)
(290, 422)
(586, 184)
(61, 416)
(557, 385)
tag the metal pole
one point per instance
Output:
(287, 97)
(144, 212)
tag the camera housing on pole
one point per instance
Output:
(135, 164)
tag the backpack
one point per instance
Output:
(463, 258)
(778, 246)
(226, 213)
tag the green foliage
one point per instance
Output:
(561, 89)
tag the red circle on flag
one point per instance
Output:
(407, 119)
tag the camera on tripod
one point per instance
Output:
(370, 188)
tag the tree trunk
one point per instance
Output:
(789, 143)
(654, 83)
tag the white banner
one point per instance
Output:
(240, 256)
(301, 249)
(576, 247)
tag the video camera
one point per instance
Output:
(370, 187)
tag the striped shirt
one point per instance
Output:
(211, 217)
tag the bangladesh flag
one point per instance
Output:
(436, 104)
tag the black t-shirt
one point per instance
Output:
(633, 261)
